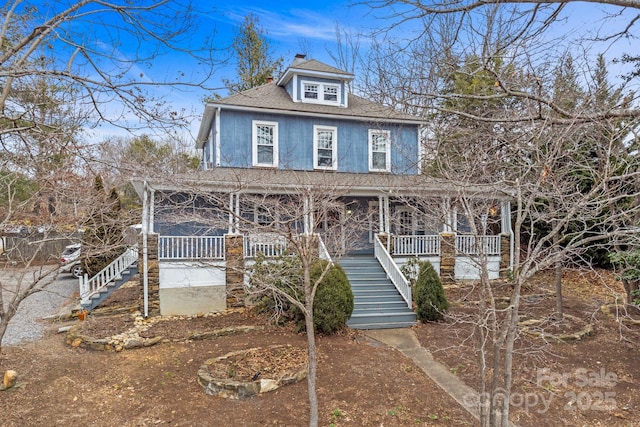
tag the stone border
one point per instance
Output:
(606, 309)
(235, 390)
(131, 338)
(525, 327)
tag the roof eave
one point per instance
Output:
(205, 125)
(415, 122)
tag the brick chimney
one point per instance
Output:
(300, 57)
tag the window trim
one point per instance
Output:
(254, 143)
(321, 86)
(387, 134)
(334, 147)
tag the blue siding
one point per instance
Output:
(296, 142)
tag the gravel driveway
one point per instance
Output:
(27, 324)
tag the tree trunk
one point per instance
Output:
(631, 286)
(312, 354)
(559, 309)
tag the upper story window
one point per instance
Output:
(310, 91)
(322, 93)
(331, 93)
(325, 144)
(265, 143)
(379, 150)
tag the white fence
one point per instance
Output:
(269, 245)
(416, 245)
(481, 245)
(175, 248)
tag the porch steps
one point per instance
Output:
(99, 297)
(376, 302)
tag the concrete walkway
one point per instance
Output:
(405, 341)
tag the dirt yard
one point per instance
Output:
(360, 382)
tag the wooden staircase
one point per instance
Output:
(377, 303)
(97, 298)
(96, 289)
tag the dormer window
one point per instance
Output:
(310, 91)
(321, 93)
(331, 93)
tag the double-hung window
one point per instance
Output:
(331, 93)
(325, 144)
(265, 143)
(321, 93)
(379, 150)
(310, 91)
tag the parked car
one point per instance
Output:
(70, 260)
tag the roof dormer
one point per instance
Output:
(310, 81)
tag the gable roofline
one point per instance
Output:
(315, 68)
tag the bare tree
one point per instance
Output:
(66, 67)
(483, 77)
(289, 228)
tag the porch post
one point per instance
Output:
(235, 269)
(152, 209)
(447, 228)
(307, 216)
(506, 239)
(380, 215)
(231, 211)
(143, 254)
(387, 220)
(236, 226)
(148, 256)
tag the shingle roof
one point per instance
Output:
(277, 181)
(314, 65)
(276, 99)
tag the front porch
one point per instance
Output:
(202, 235)
(187, 275)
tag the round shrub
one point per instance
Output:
(333, 303)
(429, 294)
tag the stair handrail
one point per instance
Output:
(393, 272)
(323, 253)
(93, 285)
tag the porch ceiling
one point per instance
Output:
(276, 181)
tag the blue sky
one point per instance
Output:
(292, 27)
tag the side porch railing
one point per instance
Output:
(392, 270)
(183, 248)
(430, 245)
(176, 248)
(269, 245)
(477, 245)
(93, 285)
(416, 245)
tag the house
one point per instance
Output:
(346, 160)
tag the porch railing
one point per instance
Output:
(416, 245)
(478, 245)
(392, 270)
(93, 285)
(270, 245)
(175, 248)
